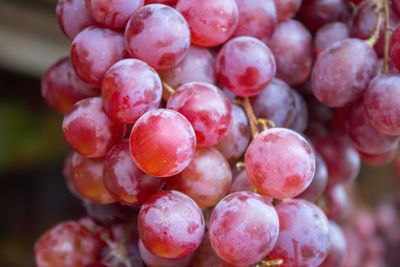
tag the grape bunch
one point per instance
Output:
(225, 132)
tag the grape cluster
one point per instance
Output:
(225, 132)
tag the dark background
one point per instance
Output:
(33, 196)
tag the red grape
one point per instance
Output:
(112, 13)
(287, 9)
(242, 183)
(292, 46)
(337, 252)
(130, 88)
(171, 225)
(124, 180)
(207, 109)
(165, 2)
(234, 144)
(67, 244)
(256, 18)
(243, 228)
(378, 159)
(300, 119)
(381, 103)
(303, 235)
(207, 178)
(89, 131)
(329, 34)
(205, 255)
(355, 248)
(245, 65)
(343, 71)
(197, 66)
(67, 173)
(280, 163)
(87, 177)
(396, 6)
(211, 22)
(341, 158)
(158, 35)
(395, 48)
(94, 51)
(336, 202)
(73, 17)
(162, 142)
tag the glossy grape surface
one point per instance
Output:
(280, 163)
(303, 234)
(211, 22)
(338, 248)
(124, 180)
(89, 131)
(158, 35)
(206, 107)
(171, 225)
(245, 65)
(162, 142)
(395, 48)
(165, 2)
(243, 228)
(336, 202)
(130, 88)
(329, 34)
(287, 9)
(300, 119)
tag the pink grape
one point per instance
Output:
(245, 65)
(171, 225)
(67, 173)
(343, 71)
(165, 2)
(280, 163)
(336, 202)
(378, 159)
(303, 235)
(158, 35)
(275, 102)
(124, 180)
(256, 18)
(243, 228)
(234, 144)
(292, 46)
(162, 142)
(205, 255)
(207, 178)
(73, 17)
(300, 119)
(287, 9)
(197, 66)
(395, 48)
(112, 13)
(242, 183)
(364, 136)
(381, 103)
(207, 109)
(329, 34)
(89, 131)
(338, 248)
(130, 88)
(341, 158)
(94, 51)
(211, 22)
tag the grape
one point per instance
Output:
(171, 225)
(67, 173)
(275, 102)
(197, 66)
(343, 71)
(114, 13)
(316, 13)
(303, 235)
(292, 46)
(242, 183)
(364, 136)
(234, 144)
(205, 255)
(243, 228)
(336, 202)
(158, 35)
(89, 131)
(364, 224)
(67, 244)
(280, 163)
(206, 107)
(73, 17)
(87, 177)
(378, 159)
(154, 261)
(79, 85)
(124, 180)
(245, 65)
(381, 103)
(256, 18)
(130, 88)
(211, 22)
(341, 158)
(165, 2)
(162, 142)
(287, 9)
(329, 34)
(94, 50)
(126, 256)
(57, 89)
(318, 183)
(338, 248)
(207, 178)
(97, 264)
(300, 119)
(386, 217)
(396, 7)
(355, 248)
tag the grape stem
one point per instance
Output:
(387, 37)
(375, 36)
(168, 90)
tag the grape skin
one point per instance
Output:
(329, 34)
(287, 9)
(338, 248)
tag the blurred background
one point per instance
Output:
(33, 195)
